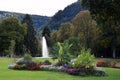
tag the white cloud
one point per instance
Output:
(41, 7)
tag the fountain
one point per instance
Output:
(45, 53)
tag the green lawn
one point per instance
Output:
(7, 74)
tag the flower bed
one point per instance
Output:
(83, 65)
(108, 63)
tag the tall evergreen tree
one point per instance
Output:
(30, 41)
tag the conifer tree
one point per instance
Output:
(30, 41)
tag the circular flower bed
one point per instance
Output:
(81, 66)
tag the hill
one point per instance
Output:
(38, 20)
(65, 15)
(53, 22)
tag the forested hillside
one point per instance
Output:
(38, 20)
(65, 15)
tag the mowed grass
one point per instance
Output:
(7, 74)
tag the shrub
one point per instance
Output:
(84, 60)
(27, 57)
(63, 54)
(25, 63)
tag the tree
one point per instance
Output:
(12, 48)
(85, 29)
(106, 13)
(30, 40)
(64, 32)
(46, 31)
(76, 46)
(11, 30)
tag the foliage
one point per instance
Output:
(85, 29)
(66, 29)
(85, 59)
(47, 34)
(30, 40)
(11, 29)
(38, 21)
(106, 13)
(46, 31)
(27, 57)
(63, 54)
(25, 63)
(12, 47)
(76, 46)
(113, 74)
(65, 15)
(108, 63)
(25, 60)
(81, 32)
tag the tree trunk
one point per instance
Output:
(114, 51)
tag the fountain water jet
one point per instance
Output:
(45, 52)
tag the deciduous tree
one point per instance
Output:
(107, 15)
(11, 30)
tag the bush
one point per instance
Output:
(84, 60)
(63, 55)
(25, 63)
(27, 57)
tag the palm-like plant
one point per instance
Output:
(63, 52)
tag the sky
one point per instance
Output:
(38, 7)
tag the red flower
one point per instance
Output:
(100, 63)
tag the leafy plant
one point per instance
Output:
(25, 60)
(27, 57)
(84, 60)
(63, 54)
